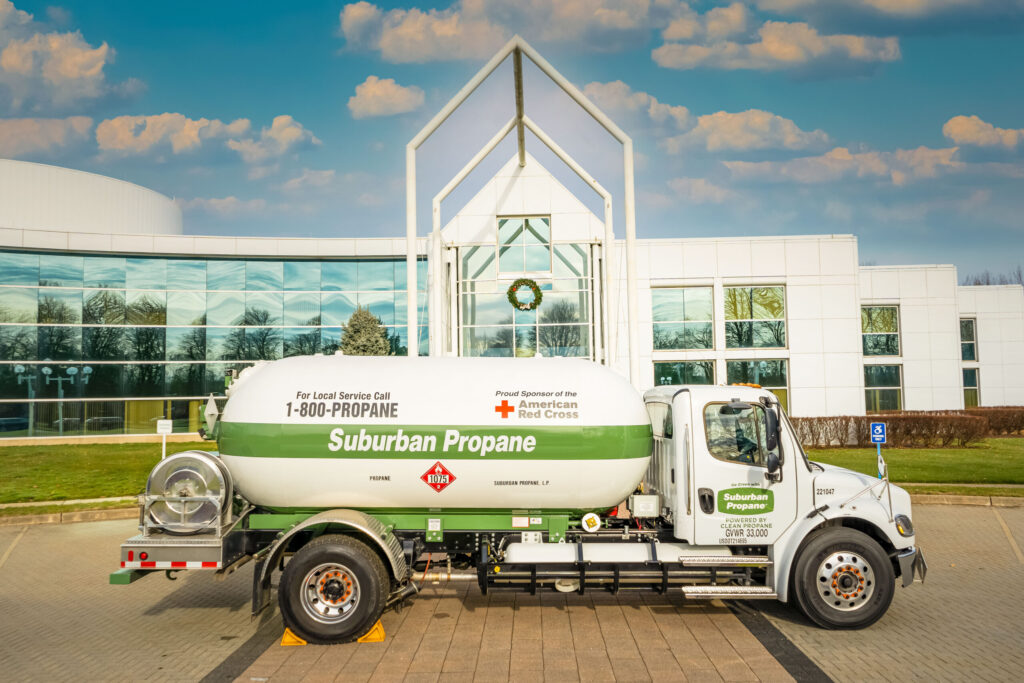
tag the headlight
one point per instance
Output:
(200, 478)
(904, 525)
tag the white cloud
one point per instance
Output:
(21, 137)
(226, 207)
(310, 178)
(971, 130)
(413, 35)
(475, 29)
(261, 172)
(700, 191)
(717, 23)
(899, 166)
(618, 96)
(284, 134)
(39, 69)
(779, 45)
(383, 97)
(141, 134)
(896, 8)
(747, 130)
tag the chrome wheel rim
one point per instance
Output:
(330, 593)
(845, 581)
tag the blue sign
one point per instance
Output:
(877, 432)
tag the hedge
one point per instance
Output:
(903, 430)
(1001, 419)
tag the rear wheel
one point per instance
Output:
(843, 579)
(333, 590)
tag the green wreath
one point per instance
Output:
(513, 294)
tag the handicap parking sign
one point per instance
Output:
(877, 432)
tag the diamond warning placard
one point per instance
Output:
(438, 477)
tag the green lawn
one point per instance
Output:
(993, 461)
(44, 473)
(30, 473)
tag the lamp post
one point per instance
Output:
(70, 379)
(29, 382)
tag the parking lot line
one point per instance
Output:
(1002, 523)
(10, 548)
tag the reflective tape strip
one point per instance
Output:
(170, 565)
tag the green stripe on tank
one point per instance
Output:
(260, 440)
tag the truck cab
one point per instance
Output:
(730, 473)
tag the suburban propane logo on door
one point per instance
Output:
(745, 501)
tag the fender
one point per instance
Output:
(787, 547)
(367, 526)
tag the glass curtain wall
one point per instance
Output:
(109, 344)
(755, 317)
(490, 325)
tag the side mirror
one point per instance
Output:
(772, 463)
(771, 430)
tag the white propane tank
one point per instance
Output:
(316, 432)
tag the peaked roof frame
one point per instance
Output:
(517, 47)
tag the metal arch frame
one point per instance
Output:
(503, 132)
(517, 47)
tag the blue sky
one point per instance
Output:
(901, 121)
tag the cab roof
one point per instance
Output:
(704, 393)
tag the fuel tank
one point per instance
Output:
(316, 432)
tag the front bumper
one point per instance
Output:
(912, 563)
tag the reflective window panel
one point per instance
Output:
(186, 343)
(186, 274)
(60, 270)
(263, 275)
(302, 276)
(60, 306)
(19, 304)
(145, 308)
(103, 307)
(104, 343)
(186, 308)
(19, 269)
(105, 271)
(225, 275)
(684, 372)
(225, 308)
(146, 273)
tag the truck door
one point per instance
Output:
(735, 503)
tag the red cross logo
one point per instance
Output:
(438, 477)
(504, 408)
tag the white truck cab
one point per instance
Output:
(730, 473)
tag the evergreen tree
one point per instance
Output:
(364, 335)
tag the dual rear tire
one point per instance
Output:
(333, 590)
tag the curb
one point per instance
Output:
(979, 501)
(72, 517)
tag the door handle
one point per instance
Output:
(707, 500)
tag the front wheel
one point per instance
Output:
(843, 579)
(333, 590)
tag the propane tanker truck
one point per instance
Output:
(343, 473)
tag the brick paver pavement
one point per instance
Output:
(453, 633)
(965, 623)
(60, 620)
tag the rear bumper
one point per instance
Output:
(912, 564)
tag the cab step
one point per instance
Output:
(726, 561)
(711, 592)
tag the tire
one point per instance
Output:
(333, 590)
(843, 579)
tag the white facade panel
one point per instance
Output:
(998, 312)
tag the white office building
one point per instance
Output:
(111, 317)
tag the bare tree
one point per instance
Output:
(986, 277)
